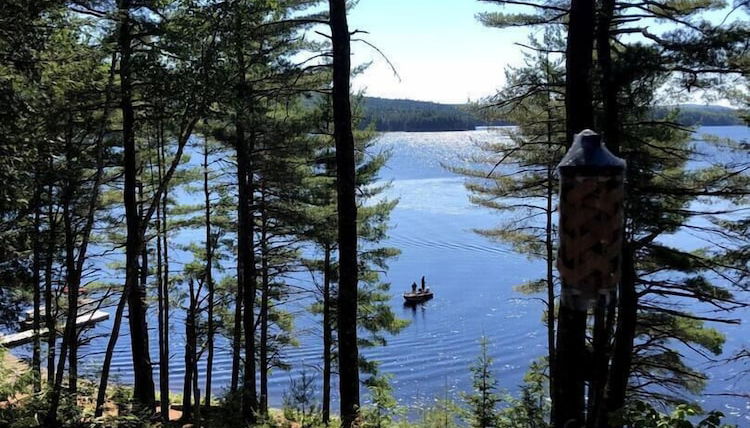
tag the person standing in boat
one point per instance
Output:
(423, 289)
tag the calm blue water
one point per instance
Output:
(473, 280)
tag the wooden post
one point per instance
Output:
(591, 225)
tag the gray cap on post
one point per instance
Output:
(589, 156)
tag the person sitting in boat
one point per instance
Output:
(414, 287)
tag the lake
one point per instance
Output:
(472, 277)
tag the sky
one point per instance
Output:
(439, 49)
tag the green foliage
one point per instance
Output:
(384, 407)
(446, 413)
(532, 408)
(419, 116)
(482, 402)
(300, 402)
(642, 415)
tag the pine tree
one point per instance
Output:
(376, 317)
(483, 400)
(626, 76)
(346, 207)
(518, 174)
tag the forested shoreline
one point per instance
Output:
(390, 115)
(128, 125)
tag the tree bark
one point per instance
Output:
(264, 303)
(347, 215)
(161, 298)
(250, 398)
(327, 335)
(67, 347)
(50, 310)
(622, 355)
(578, 67)
(190, 350)
(549, 246)
(164, 332)
(209, 278)
(36, 359)
(109, 353)
(569, 393)
(570, 368)
(143, 390)
(608, 83)
(246, 275)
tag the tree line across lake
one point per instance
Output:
(397, 115)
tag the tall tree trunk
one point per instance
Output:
(143, 391)
(578, 66)
(209, 277)
(164, 331)
(608, 84)
(73, 275)
(161, 297)
(50, 308)
(264, 303)
(246, 274)
(347, 216)
(109, 353)
(250, 402)
(327, 335)
(36, 359)
(571, 330)
(190, 349)
(69, 333)
(196, 395)
(605, 312)
(237, 331)
(622, 355)
(550, 248)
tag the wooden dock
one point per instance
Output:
(23, 337)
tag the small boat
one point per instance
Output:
(418, 297)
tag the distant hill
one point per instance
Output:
(420, 116)
(702, 115)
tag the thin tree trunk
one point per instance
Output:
(264, 302)
(550, 248)
(250, 402)
(73, 275)
(237, 332)
(327, 335)
(143, 390)
(109, 353)
(164, 332)
(161, 298)
(50, 310)
(196, 395)
(347, 215)
(246, 275)
(209, 278)
(69, 333)
(625, 335)
(187, 396)
(36, 359)
(237, 328)
(609, 90)
(74, 268)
